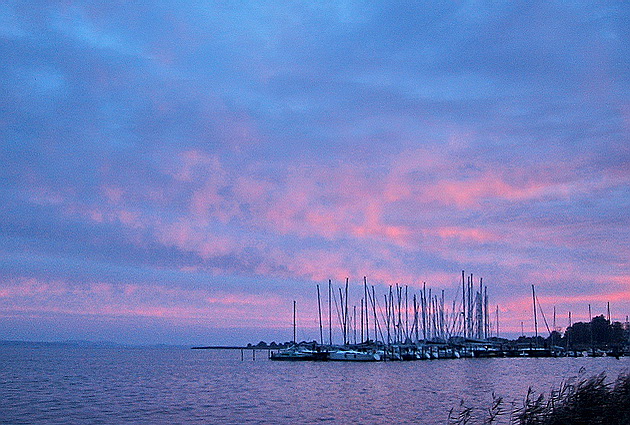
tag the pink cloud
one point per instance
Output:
(228, 309)
(252, 190)
(112, 194)
(332, 203)
(47, 196)
(190, 161)
(470, 193)
(466, 234)
(28, 287)
(195, 236)
(368, 220)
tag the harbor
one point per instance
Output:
(410, 326)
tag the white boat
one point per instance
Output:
(298, 353)
(354, 356)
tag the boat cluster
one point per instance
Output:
(401, 319)
(371, 351)
(321, 353)
(421, 326)
(425, 350)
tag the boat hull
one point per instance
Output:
(296, 356)
(354, 356)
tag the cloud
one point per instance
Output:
(253, 145)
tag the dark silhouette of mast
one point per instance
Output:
(319, 307)
(362, 310)
(590, 327)
(294, 324)
(373, 299)
(553, 335)
(568, 334)
(347, 337)
(497, 321)
(464, 305)
(367, 315)
(535, 316)
(354, 323)
(329, 312)
(342, 316)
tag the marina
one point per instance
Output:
(411, 326)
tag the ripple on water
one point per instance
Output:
(170, 386)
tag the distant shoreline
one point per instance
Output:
(85, 344)
(109, 344)
(233, 347)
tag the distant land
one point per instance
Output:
(262, 345)
(110, 344)
(84, 344)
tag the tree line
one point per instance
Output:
(598, 333)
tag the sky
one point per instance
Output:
(181, 171)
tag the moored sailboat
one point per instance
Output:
(354, 356)
(296, 353)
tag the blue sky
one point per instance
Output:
(181, 171)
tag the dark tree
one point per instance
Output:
(579, 334)
(598, 333)
(601, 330)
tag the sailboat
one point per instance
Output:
(354, 356)
(297, 352)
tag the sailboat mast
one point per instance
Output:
(367, 316)
(535, 316)
(486, 316)
(387, 319)
(497, 320)
(415, 316)
(426, 325)
(430, 316)
(473, 307)
(346, 314)
(319, 307)
(480, 310)
(590, 327)
(354, 323)
(442, 322)
(294, 324)
(568, 334)
(342, 315)
(464, 305)
(362, 340)
(406, 311)
(374, 308)
(329, 312)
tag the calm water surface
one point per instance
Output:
(57, 385)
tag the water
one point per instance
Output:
(65, 385)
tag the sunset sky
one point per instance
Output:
(181, 171)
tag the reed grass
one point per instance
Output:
(585, 401)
